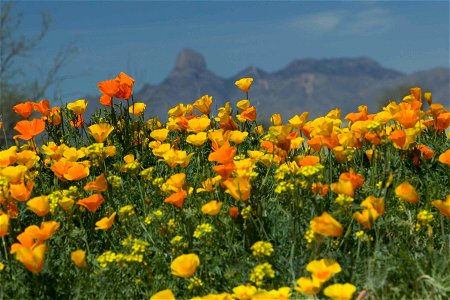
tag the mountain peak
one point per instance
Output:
(189, 59)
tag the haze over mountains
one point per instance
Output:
(314, 85)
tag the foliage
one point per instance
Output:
(203, 205)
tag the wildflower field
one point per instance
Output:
(215, 206)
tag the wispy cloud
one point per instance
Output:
(345, 22)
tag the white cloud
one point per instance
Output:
(345, 22)
(319, 22)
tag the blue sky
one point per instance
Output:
(143, 38)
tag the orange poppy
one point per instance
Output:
(39, 205)
(443, 121)
(445, 158)
(356, 179)
(239, 188)
(109, 87)
(203, 104)
(309, 160)
(406, 192)
(105, 223)
(92, 203)
(234, 212)
(225, 170)
(24, 109)
(249, 114)
(98, 185)
(177, 199)
(326, 225)
(43, 107)
(244, 84)
(4, 224)
(224, 154)
(21, 192)
(32, 258)
(29, 129)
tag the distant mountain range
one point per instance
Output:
(314, 85)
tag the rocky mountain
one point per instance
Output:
(314, 85)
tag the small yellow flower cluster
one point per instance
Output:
(158, 213)
(115, 181)
(344, 200)
(171, 224)
(309, 171)
(201, 229)
(105, 258)
(284, 186)
(260, 272)
(374, 126)
(195, 282)
(2, 266)
(424, 217)
(310, 236)
(126, 211)
(262, 248)
(136, 245)
(158, 182)
(363, 236)
(246, 212)
(97, 152)
(64, 198)
(147, 173)
(148, 220)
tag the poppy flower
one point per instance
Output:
(308, 286)
(203, 104)
(224, 154)
(185, 265)
(244, 84)
(92, 203)
(159, 134)
(366, 217)
(21, 192)
(109, 87)
(137, 108)
(78, 106)
(234, 212)
(225, 170)
(98, 185)
(43, 107)
(14, 174)
(163, 295)
(32, 258)
(445, 157)
(323, 269)
(237, 136)
(100, 132)
(340, 291)
(197, 139)
(356, 179)
(24, 109)
(343, 187)
(79, 122)
(443, 206)
(443, 121)
(406, 192)
(78, 257)
(177, 157)
(29, 129)
(177, 199)
(198, 124)
(4, 224)
(39, 205)
(239, 188)
(212, 208)
(249, 114)
(105, 223)
(326, 225)
(8, 157)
